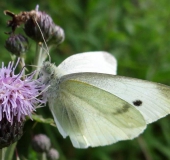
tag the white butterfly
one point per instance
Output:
(94, 107)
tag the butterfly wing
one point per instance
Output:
(100, 62)
(151, 99)
(91, 116)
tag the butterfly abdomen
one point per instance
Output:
(53, 89)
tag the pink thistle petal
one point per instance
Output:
(18, 96)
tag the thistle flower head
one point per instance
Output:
(17, 95)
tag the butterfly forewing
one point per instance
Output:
(92, 116)
(100, 62)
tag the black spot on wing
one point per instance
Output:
(137, 103)
(124, 109)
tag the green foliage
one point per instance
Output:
(137, 32)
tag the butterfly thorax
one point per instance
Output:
(50, 76)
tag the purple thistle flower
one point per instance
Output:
(18, 94)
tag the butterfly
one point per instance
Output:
(94, 106)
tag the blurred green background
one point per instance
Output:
(136, 32)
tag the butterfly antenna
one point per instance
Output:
(47, 49)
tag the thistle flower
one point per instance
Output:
(17, 100)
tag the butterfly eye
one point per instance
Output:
(52, 75)
(47, 68)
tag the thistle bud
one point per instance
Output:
(57, 35)
(42, 25)
(17, 44)
(41, 143)
(52, 154)
(10, 132)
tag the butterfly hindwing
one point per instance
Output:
(91, 116)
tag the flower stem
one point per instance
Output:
(38, 52)
(22, 62)
(144, 148)
(40, 57)
(2, 154)
(9, 152)
(43, 156)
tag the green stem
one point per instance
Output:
(43, 156)
(40, 57)
(144, 148)
(9, 152)
(22, 62)
(38, 54)
(2, 154)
